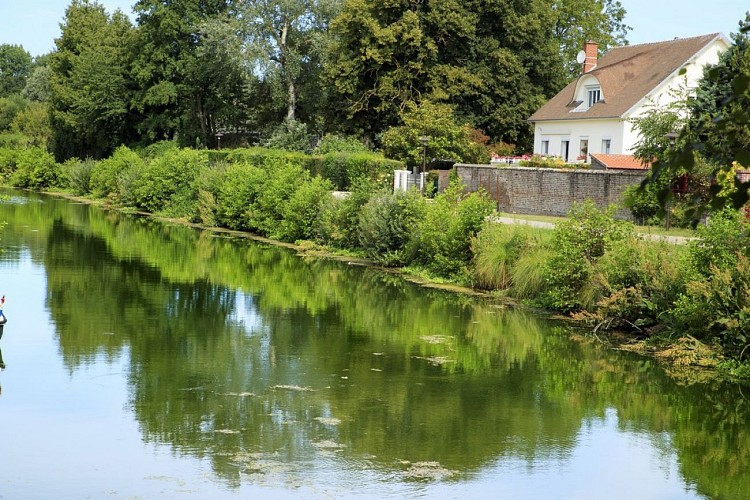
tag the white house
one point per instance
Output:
(592, 114)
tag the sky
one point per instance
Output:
(36, 23)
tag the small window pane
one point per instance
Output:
(595, 96)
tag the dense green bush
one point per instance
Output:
(643, 203)
(110, 176)
(158, 149)
(718, 308)
(236, 191)
(386, 224)
(266, 212)
(77, 174)
(442, 240)
(635, 281)
(290, 135)
(716, 303)
(8, 159)
(334, 143)
(208, 207)
(265, 158)
(339, 217)
(35, 168)
(724, 236)
(301, 212)
(342, 169)
(13, 140)
(169, 183)
(577, 244)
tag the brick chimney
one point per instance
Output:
(591, 50)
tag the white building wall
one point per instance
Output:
(595, 131)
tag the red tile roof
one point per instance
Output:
(626, 75)
(620, 162)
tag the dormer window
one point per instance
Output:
(587, 93)
(594, 95)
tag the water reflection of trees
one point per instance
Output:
(410, 374)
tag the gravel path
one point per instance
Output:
(675, 240)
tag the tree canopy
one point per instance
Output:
(284, 40)
(579, 21)
(188, 70)
(187, 80)
(90, 91)
(496, 61)
(15, 68)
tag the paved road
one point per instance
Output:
(676, 240)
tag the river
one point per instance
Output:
(152, 360)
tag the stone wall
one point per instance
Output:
(548, 191)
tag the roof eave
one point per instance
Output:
(575, 118)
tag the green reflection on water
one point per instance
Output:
(262, 361)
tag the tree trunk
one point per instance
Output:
(292, 103)
(290, 89)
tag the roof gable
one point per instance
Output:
(627, 75)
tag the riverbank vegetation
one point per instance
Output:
(591, 267)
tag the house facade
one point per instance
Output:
(594, 113)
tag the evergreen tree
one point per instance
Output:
(719, 110)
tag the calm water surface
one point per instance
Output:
(146, 360)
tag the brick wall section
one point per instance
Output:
(548, 191)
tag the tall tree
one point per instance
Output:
(283, 41)
(189, 82)
(90, 88)
(15, 68)
(578, 21)
(378, 62)
(495, 60)
(509, 68)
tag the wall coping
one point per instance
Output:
(585, 171)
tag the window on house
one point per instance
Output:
(606, 146)
(595, 95)
(545, 147)
(584, 149)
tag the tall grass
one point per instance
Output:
(510, 256)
